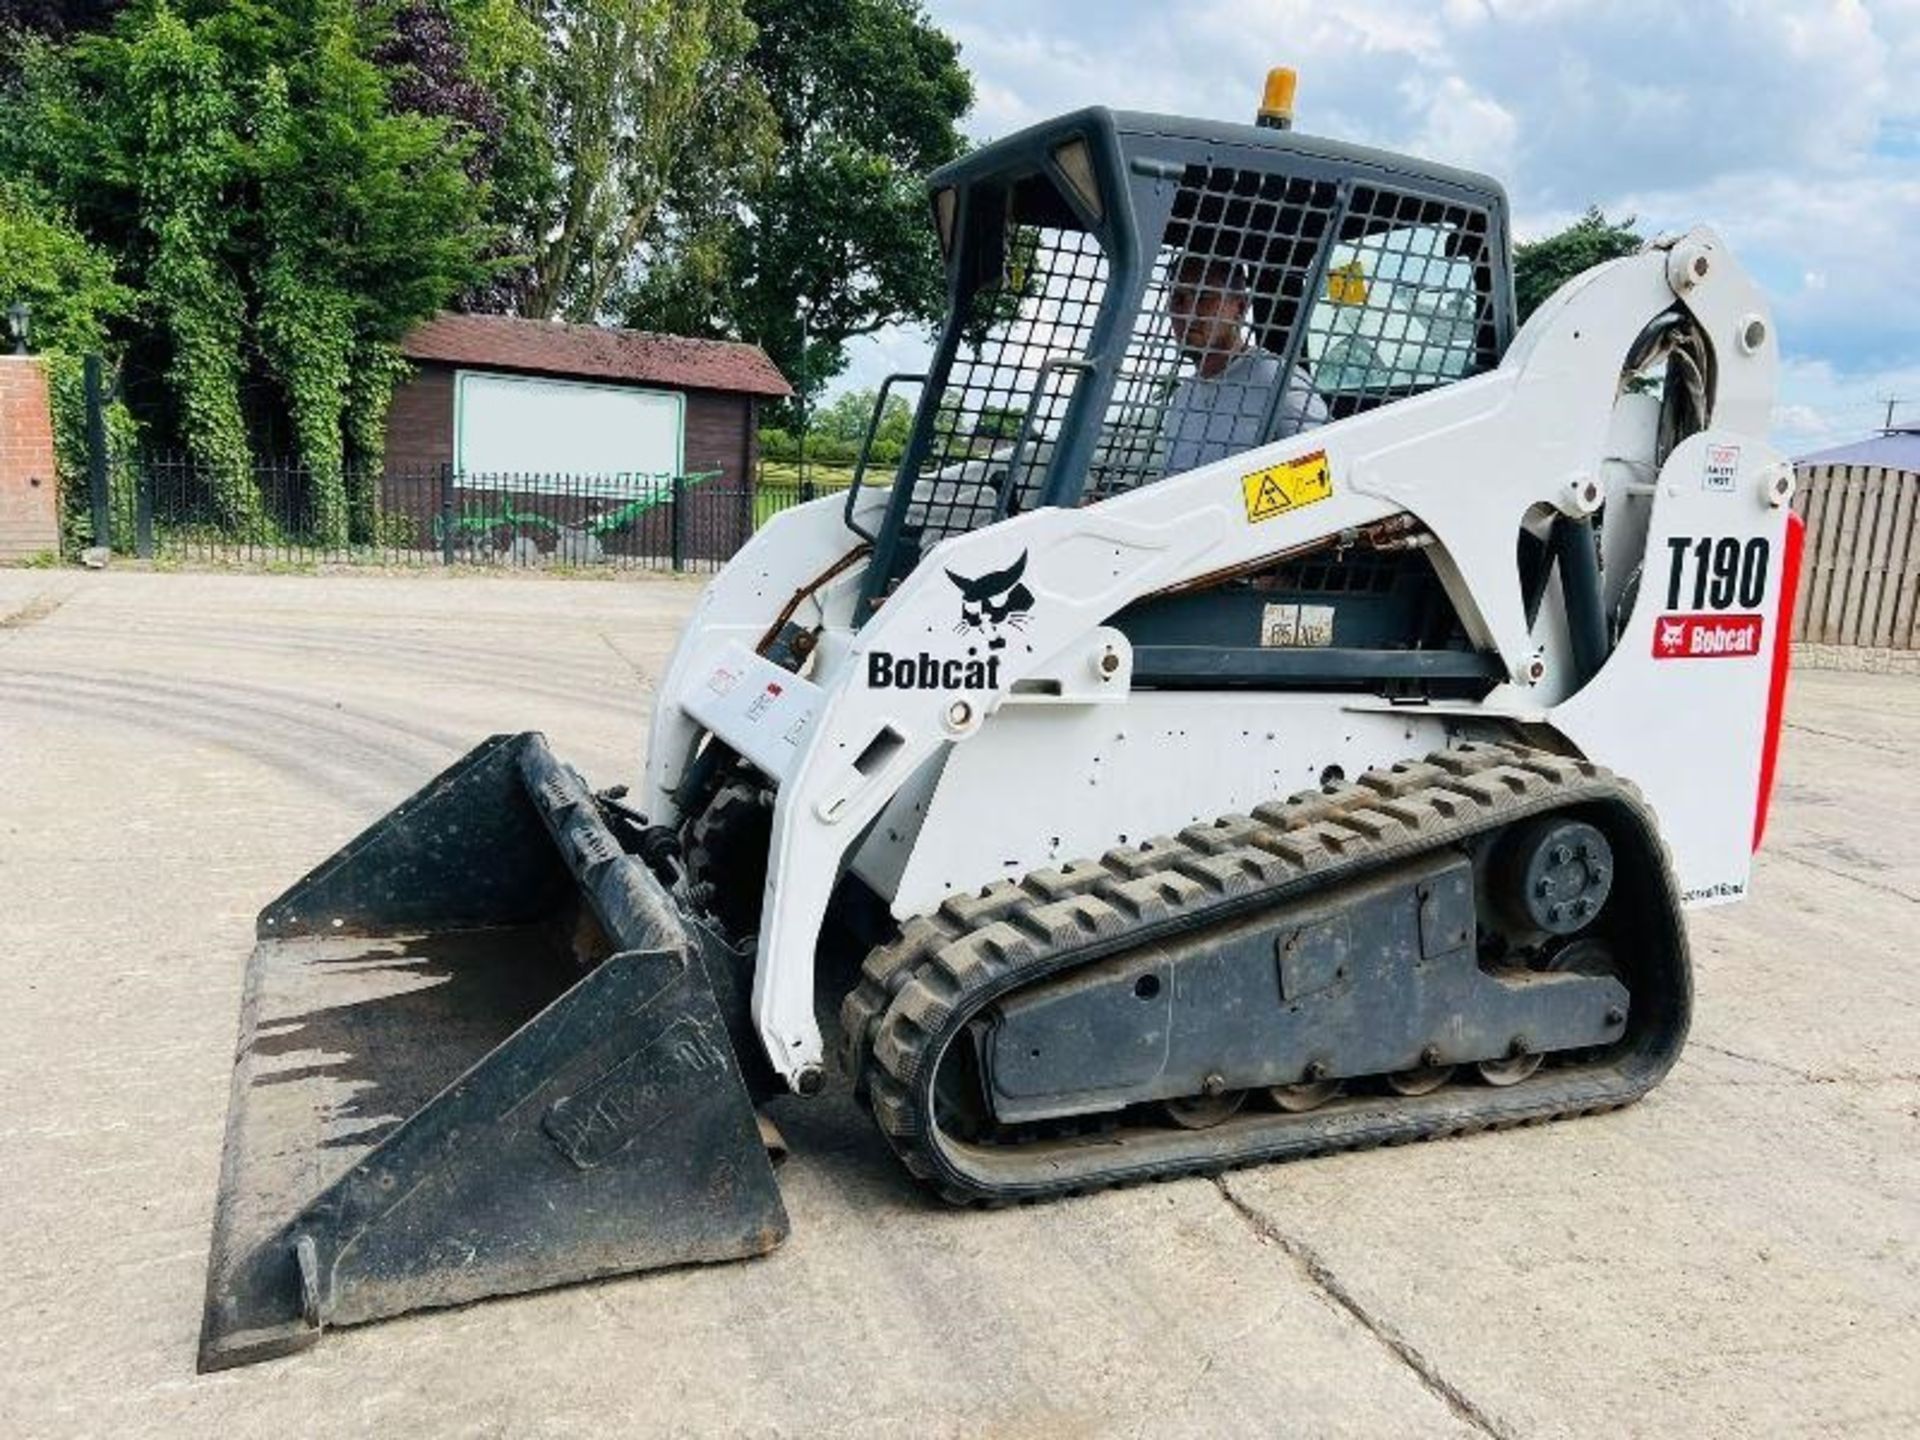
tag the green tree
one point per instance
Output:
(56, 19)
(655, 119)
(1543, 266)
(505, 58)
(74, 300)
(139, 131)
(868, 95)
(847, 416)
(368, 225)
(478, 64)
(282, 224)
(999, 422)
(48, 264)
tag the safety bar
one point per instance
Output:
(866, 444)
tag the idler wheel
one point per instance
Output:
(1422, 1080)
(1307, 1095)
(1512, 1069)
(1203, 1112)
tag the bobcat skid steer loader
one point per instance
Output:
(1274, 708)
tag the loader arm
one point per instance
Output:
(1448, 458)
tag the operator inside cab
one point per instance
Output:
(1218, 410)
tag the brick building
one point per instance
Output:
(531, 407)
(481, 380)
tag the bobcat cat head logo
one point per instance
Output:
(995, 602)
(1673, 636)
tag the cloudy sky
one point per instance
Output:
(1793, 127)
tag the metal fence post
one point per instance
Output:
(679, 522)
(142, 513)
(446, 514)
(97, 452)
(749, 491)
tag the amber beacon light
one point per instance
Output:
(1276, 101)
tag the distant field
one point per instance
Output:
(779, 485)
(824, 477)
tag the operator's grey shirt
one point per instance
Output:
(1208, 419)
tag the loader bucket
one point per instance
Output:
(479, 1053)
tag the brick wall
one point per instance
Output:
(420, 421)
(719, 427)
(720, 436)
(29, 509)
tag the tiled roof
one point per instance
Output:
(545, 347)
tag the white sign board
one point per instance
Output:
(515, 425)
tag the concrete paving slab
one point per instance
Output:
(1739, 1254)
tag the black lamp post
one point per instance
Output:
(18, 314)
(806, 485)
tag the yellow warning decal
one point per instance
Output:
(1347, 284)
(1286, 486)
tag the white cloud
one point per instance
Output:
(1792, 125)
(1802, 421)
(1463, 127)
(896, 350)
(1023, 75)
(1836, 253)
(1820, 405)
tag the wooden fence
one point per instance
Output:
(1862, 564)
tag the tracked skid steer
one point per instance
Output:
(1275, 707)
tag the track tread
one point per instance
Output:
(912, 988)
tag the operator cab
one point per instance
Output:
(1064, 373)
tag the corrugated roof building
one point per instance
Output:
(1897, 449)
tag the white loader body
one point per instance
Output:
(931, 764)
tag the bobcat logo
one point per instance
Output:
(1705, 637)
(989, 607)
(995, 602)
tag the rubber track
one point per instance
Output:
(916, 993)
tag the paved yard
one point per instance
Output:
(1738, 1255)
